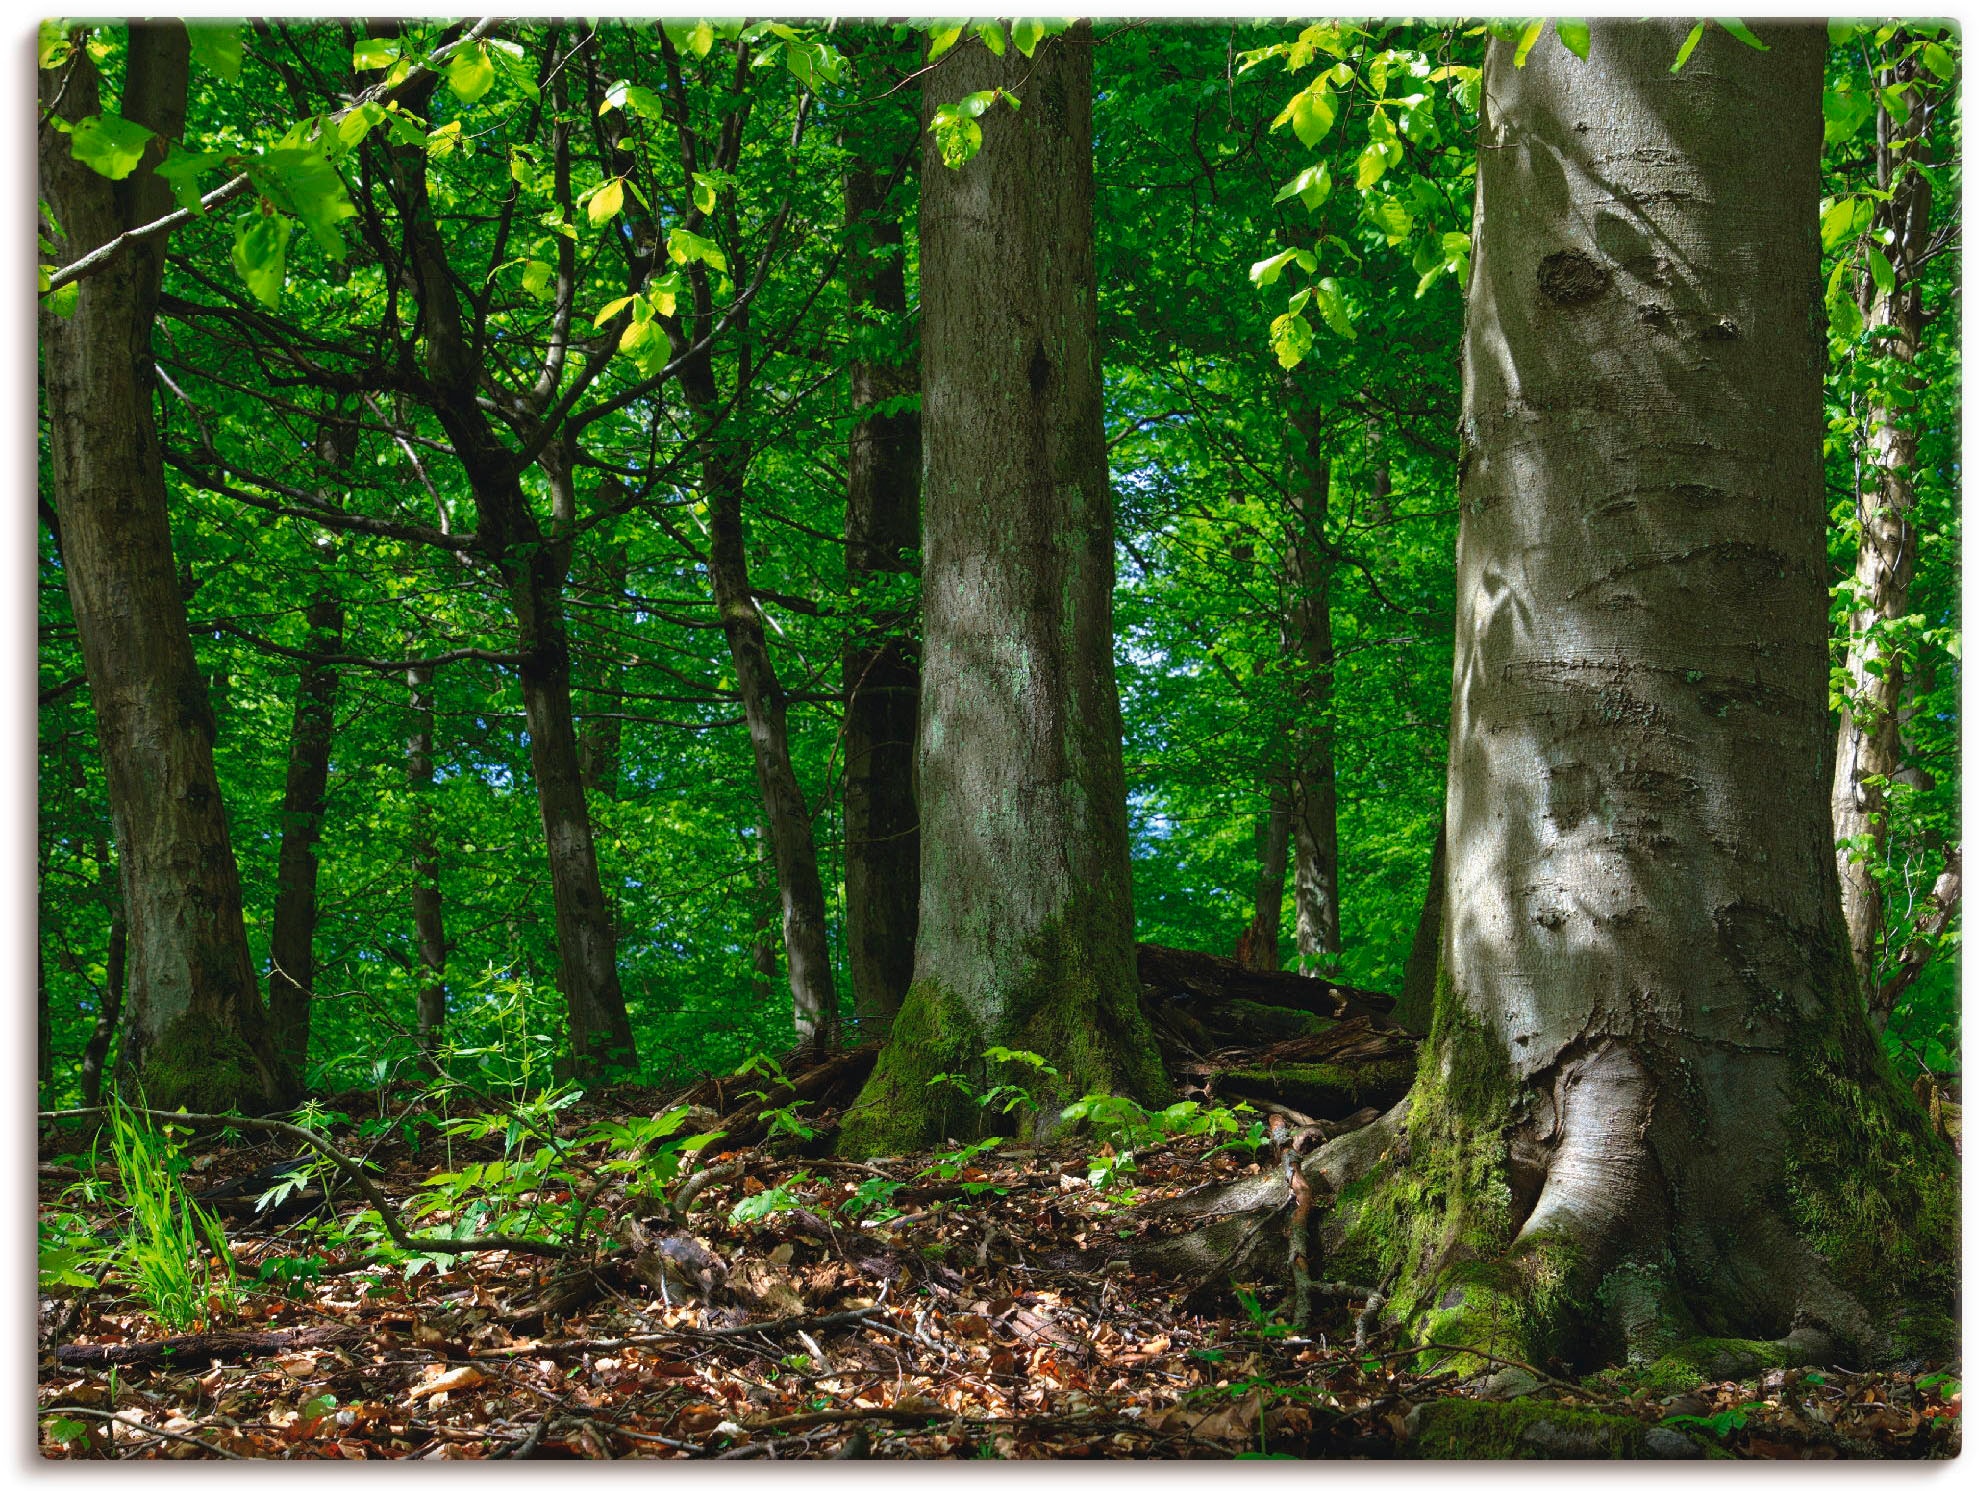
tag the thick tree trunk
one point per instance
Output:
(428, 929)
(1315, 801)
(807, 954)
(1026, 932)
(1869, 752)
(291, 941)
(1650, 1106)
(882, 664)
(197, 1032)
(602, 734)
(1257, 948)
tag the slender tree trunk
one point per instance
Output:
(1418, 998)
(291, 943)
(602, 734)
(763, 944)
(534, 562)
(198, 1034)
(1257, 948)
(1649, 1106)
(428, 929)
(1027, 931)
(1869, 752)
(96, 1050)
(882, 664)
(1315, 804)
(807, 955)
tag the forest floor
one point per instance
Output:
(959, 1304)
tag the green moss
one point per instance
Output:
(202, 1066)
(898, 1111)
(1871, 1187)
(1323, 1089)
(1713, 1359)
(1470, 1429)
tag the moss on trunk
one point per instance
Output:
(1467, 1429)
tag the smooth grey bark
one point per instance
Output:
(1869, 751)
(1647, 1021)
(1309, 639)
(882, 674)
(429, 934)
(1026, 926)
(1257, 948)
(197, 1032)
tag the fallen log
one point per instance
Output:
(1229, 1003)
(208, 1346)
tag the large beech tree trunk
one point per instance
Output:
(1869, 752)
(197, 1033)
(882, 665)
(1315, 798)
(1649, 1106)
(1026, 931)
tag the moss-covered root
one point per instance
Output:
(1471, 1429)
(1712, 1359)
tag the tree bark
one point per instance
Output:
(1869, 751)
(428, 927)
(198, 1034)
(1650, 1106)
(882, 671)
(291, 942)
(1026, 925)
(1315, 800)
(1418, 1000)
(534, 562)
(1257, 948)
(807, 955)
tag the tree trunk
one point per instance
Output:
(1418, 1000)
(1026, 929)
(763, 941)
(96, 1050)
(807, 955)
(1869, 752)
(599, 740)
(1257, 948)
(428, 931)
(1315, 804)
(198, 1034)
(882, 664)
(291, 943)
(1649, 1106)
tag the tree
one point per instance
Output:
(1026, 935)
(197, 1032)
(1649, 1106)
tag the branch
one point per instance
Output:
(355, 660)
(98, 258)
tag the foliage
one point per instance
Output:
(171, 1251)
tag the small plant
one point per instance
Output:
(1001, 1097)
(873, 1195)
(957, 1162)
(159, 1251)
(1720, 1424)
(1131, 1127)
(767, 1203)
(1263, 1321)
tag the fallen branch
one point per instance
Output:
(142, 1428)
(208, 1346)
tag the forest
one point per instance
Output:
(998, 739)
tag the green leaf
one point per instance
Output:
(1311, 113)
(1838, 222)
(52, 45)
(216, 47)
(606, 200)
(62, 302)
(1371, 166)
(941, 39)
(1739, 29)
(182, 169)
(306, 184)
(470, 74)
(1028, 34)
(992, 35)
(1573, 36)
(354, 126)
(109, 144)
(1841, 32)
(261, 253)
(1291, 339)
(1533, 31)
(536, 276)
(373, 53)
(1881, 272)
(1266, 271)
(1939, 60)
(612, 308)
(1311, 186)
(1844, 315)
(1332, 305)
(957, 135)
(704, 194)
(1689, 46)
(684, 247)
(1392, 218)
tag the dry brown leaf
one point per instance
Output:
(448, 1382)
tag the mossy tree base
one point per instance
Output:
(206, 1067)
